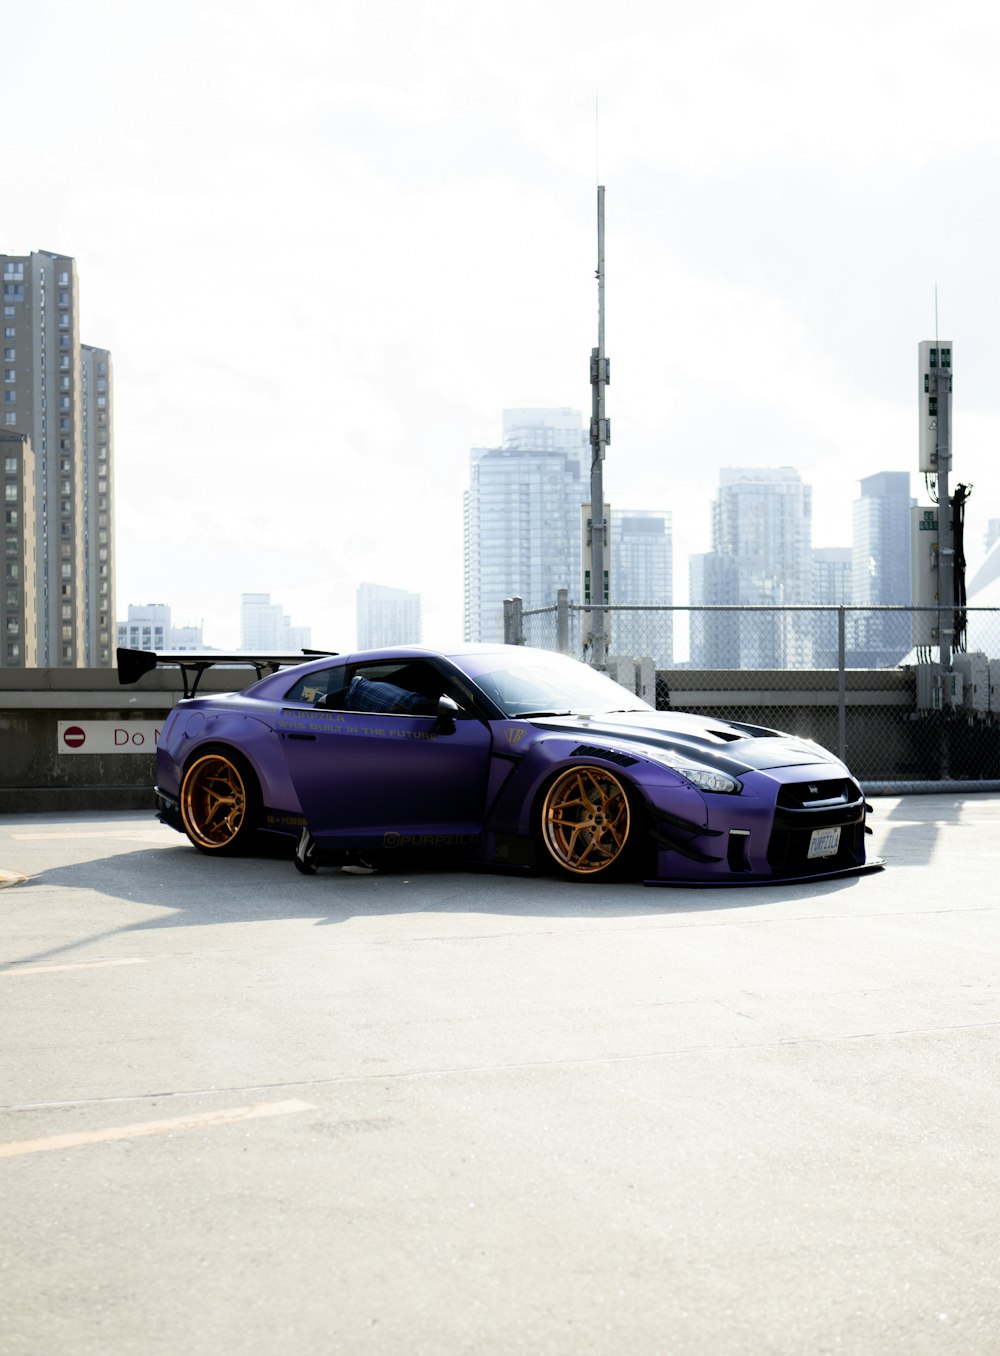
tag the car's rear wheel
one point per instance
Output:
(589, 824)
(220, 802)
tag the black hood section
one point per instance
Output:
(726, 745)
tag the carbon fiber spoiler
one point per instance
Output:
(133, 664)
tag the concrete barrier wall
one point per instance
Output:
(43, 766)
(40, 770)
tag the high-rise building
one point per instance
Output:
(831, 587)
(18, 647)
(641, 574)
(761, 555)
(264, 626)
(880, 570)
(831, 575)
(523, 516)
(713, 581)
(59, 395)
(387, 617)
(149, 627)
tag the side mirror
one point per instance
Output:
(447, 710)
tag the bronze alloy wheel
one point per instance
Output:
(215, 806)
(586, 820)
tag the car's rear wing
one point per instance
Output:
(133, 664)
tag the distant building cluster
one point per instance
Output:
(263, 626)
(149, 627)
(57, 607)
(523, 530)
(762, 554)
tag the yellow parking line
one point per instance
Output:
(76, 965)
(239, 1113)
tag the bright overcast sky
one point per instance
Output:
(328, 242)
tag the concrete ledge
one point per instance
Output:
(888, 744)
(35, 800)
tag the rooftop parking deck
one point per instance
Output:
(247, 1110)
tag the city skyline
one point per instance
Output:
(424, 258)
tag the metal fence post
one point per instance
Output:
(508, 621)
(515, 635)
(841, 685)
(562, 621)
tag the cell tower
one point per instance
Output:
(595, 543)
(938, 563)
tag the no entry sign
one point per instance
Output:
(107, 736)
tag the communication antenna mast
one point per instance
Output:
(935, 395)
(600, 436)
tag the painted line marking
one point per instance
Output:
(61, 836)
(16, 969)
(17, 1148)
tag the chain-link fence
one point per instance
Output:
(865, 682)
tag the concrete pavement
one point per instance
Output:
(243, 1110)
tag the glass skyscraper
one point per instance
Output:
(642, 574)
(522, 516)
(880, 569)
(761, 554)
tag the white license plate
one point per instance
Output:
(824, 843)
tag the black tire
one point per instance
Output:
(220, 802)
(589, 825)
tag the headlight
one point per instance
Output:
(704, 778)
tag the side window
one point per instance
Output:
(401, 687)
(316, 686)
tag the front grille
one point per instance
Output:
(802, 807)
(818, 795)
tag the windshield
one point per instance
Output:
(526, 682)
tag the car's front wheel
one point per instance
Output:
(220, 802)
(589, 824)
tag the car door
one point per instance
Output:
(387, 778)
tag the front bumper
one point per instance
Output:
(765, 833)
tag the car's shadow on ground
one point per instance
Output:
(194, 890)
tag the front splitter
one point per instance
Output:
(738, 883)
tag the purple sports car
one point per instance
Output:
(513, 757)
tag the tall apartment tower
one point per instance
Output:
(58, 394)
(18, 644)
(761, 554)
(387, 617)
(880, 569)
(522, 516)
(642, 574)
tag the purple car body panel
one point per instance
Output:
(394, 770)
(382, 781)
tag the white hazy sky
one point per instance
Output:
(328, 242)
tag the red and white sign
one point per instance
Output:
(107, 736)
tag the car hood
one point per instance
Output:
(721, 744)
